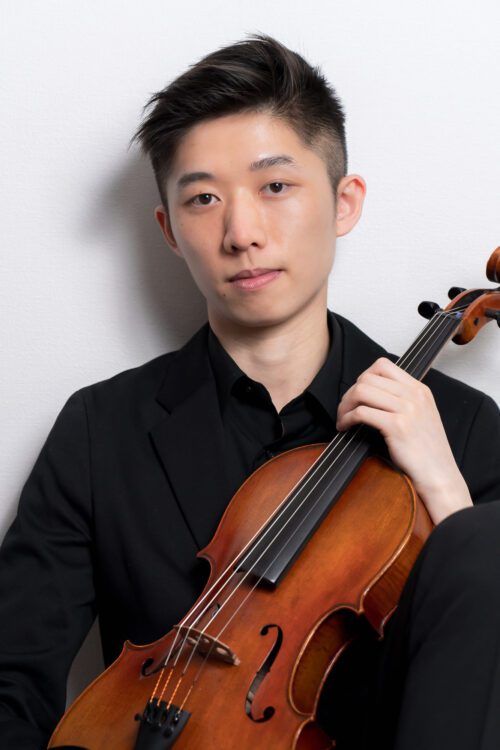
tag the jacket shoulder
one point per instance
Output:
(138, 386)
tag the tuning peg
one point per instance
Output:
(454, 291)
(495, 314)
(428, 309)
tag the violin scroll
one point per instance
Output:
(493, 266)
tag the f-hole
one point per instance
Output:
(260, 675)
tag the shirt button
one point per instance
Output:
(248, 388)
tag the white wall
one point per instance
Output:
(88, 287)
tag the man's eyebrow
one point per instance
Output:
(273, 161)
(268, 161)
(188, 177)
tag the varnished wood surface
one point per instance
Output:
(354, 565)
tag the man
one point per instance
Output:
(248, 149)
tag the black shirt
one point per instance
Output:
(254, 431)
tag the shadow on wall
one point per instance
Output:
(160, 281)
(164, 288)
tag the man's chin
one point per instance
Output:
(248, 319)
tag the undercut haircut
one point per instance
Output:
(258, 74)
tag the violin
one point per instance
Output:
(316, 543)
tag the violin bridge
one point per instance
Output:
(207, 645)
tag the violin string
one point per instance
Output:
(322, 456)
(274, 538)
(238, 585)
(435, 321)
(216, 638)
(219, 580)
(239, 607)
(339, 435)
(438, 317)
(221, 588)
(441, 316)
(280, 530)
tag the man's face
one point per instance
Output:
(231, 211)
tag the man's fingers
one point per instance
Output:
(362, 414)
(386, 368)
(364, 394)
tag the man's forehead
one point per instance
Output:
(257, 133)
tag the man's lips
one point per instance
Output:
(255, 278)
(250, 273)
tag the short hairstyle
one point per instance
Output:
(258, 74)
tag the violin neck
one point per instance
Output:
(424, 350)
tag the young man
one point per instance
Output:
(248, 149)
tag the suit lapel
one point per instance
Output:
(189, 439)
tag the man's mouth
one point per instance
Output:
(252, 272)
(255, 278)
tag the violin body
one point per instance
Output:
(257, 685)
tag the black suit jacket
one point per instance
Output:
(127, 488)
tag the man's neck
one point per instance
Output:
(285, 358)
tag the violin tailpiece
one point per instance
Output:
(159, 726)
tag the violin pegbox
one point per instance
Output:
(470, 308)
(477, 307)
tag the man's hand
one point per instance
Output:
(404, 411)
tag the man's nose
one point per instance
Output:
(243, 225)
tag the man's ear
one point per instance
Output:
(351, 193)
(163, 219)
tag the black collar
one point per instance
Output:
(187, 370)
(324, 387)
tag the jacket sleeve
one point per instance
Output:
(480, 463)
(47, 601)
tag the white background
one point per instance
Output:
(88, 287)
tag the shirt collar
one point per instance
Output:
(324, 387)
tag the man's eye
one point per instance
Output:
(199, 200)
(278, 185)
(204, 199)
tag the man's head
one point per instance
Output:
(248, 149)
(255, 75)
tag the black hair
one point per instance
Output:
(258, 74)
